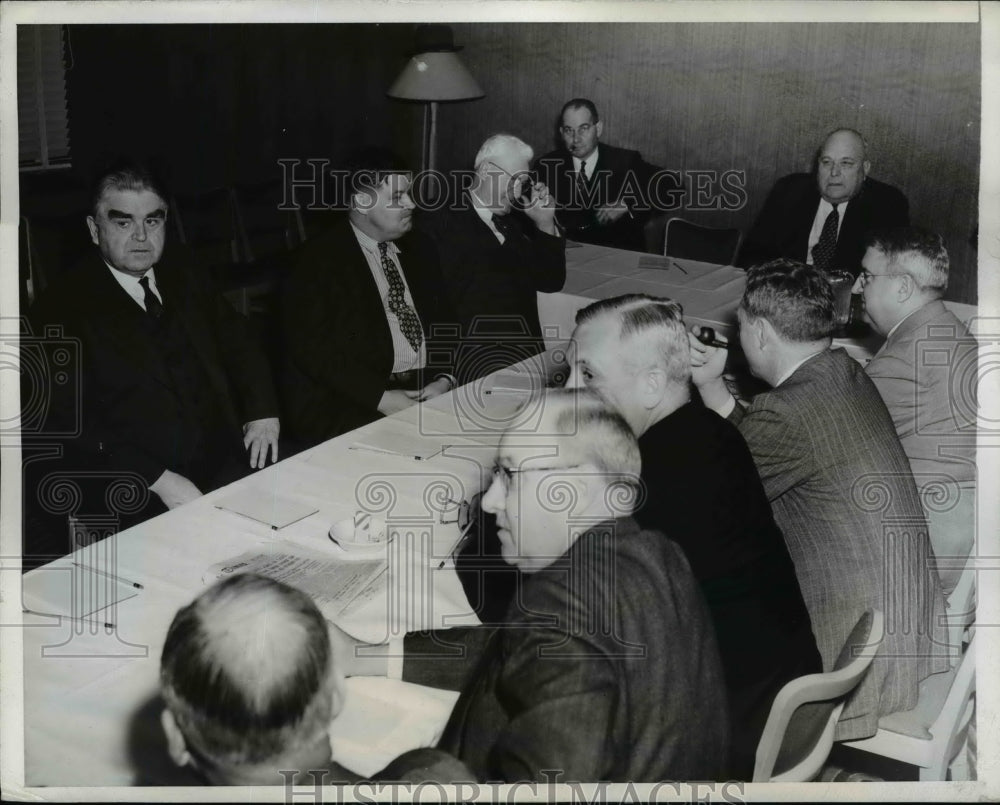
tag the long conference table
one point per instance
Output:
(91, 706)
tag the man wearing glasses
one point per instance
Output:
(602, 191)
(498, 245)
(926, 374)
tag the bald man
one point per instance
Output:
(824, 218)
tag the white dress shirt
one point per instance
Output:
(822, 212)
(590, 162)
(486, 215)
(132, 287)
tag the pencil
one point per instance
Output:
(114, 576)
(68, 617)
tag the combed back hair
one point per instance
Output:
(855, 132)
(580, 103)
(500, 143)
(659, 322)
(599, 434)
(122, 175)
(242, 670)
(917, 252)
(369, 167)
(795, 298)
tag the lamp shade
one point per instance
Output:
(435, 76)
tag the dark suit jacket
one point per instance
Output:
(620, 174)
(493, 287)
(702, 491)
(338, 352)
(841, 489)
(127, 406)
(606, 670)
(783, 225)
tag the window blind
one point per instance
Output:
(43, 126)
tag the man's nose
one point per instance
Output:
(493, 500)
(835, 169)
(408, 202)
(859, 285)
(573, 381)
(139, 233)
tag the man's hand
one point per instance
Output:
(707, 366)
(542, 209)
(396, 400)
(435, 388)
(354, 657)
(174, 490)
(258, 436)
(610, 213)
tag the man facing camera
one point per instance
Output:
(174, 393)
(926, 374)
(251, 686)
(602, 191)
(360, 310)
(495, 258)
(606, 667)
(839, 484)
(823, 219)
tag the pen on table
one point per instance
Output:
(114, 576)
(68, 617)
(678, 267)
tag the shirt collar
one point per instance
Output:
(369, 244)
(825, 208)
(130, 281)
(896, 325)
(792, 369)
(591, 161)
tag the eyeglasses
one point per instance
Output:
(460, 512)
(583, 130)
(521, 176)
(865, 276)
(506, 474)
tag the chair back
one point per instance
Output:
(689, 241)
(265, 229)
(798, 735)
(961, 608)
(205, 223)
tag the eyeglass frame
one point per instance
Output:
(583, 129)
(508, 473)
(866, 276)
(463, 511)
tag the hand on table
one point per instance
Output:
(541, 209)
(258, 436)
(396, 400)
(610, 213)
(707, 366)
(435, 388)
(174, 490)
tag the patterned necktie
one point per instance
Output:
(408, 321)
(581, 179)
(825, 247)
(153, 305)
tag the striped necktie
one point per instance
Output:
(826, 246)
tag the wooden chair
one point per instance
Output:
(798, 735)
(266, 231)
(689, 241)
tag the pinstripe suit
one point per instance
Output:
(842, 493)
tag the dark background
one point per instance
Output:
(220, 104)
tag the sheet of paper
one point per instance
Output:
(398, 443)
(515, 380)
(266, 507)
(331, 582)
(73, 591)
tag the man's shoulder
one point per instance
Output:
(881, 192)
(797, 184)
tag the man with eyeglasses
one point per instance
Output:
(606, 667)
(926, 374)
(602, 191)
(823, 218)
(498, 245)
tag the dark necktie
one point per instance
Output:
(153, 305)
(582, 181)
(826, 246)
(408, 321)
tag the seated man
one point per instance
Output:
(169, 389)
(823, 220)
(839, 484)
(495, 260)
(926, 374)
(702, 491)
(602, 191)
(240, 715)
(360, 309)
(607, 668)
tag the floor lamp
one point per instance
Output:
(434, 74)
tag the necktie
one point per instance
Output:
(408, 321)
(154, 308)
(825, 247)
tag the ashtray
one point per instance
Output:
(361, 534)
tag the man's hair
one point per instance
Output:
(580, 103)
(599, 434)
(795, 298)
(499, 143)
(369, 167)
(658, 321)
(917, 252)
(242, 670)
(855, 132)
(125, 174)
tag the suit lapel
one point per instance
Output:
(806, 215)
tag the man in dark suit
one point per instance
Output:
(839, 483)
(823, 220)
(496, 259)
(602, 191)
(607, 667)
(360, 311)
(702, 491)
(170, 379)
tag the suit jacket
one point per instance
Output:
(584, 678)
(128, 409)
(338, 352)
(493, 287)
(702, 491)
(783, 225)
(843, 495)
(620, 174)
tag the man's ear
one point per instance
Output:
(906, 288)
(599, 128)
(92, 226)
(763, 332)
(866, 166)
(652, 385)
(337, 693)
(360, 204)
(176, 745)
